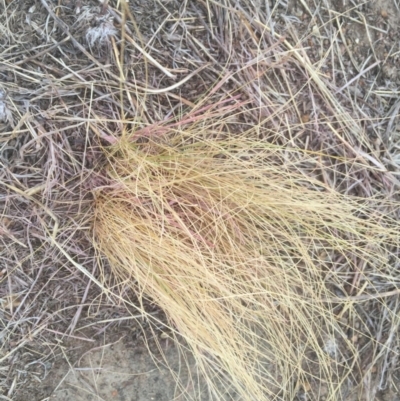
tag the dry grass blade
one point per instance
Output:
(228, 239)
(250, 192)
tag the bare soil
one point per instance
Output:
(126, 370)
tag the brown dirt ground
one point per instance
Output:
(110, 360)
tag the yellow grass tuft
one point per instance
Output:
(242, 252)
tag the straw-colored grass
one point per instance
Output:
(227, 204)
(234, 245)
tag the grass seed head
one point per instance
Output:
(101, 33)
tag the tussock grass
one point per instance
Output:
(235, 245)
(250, 191)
